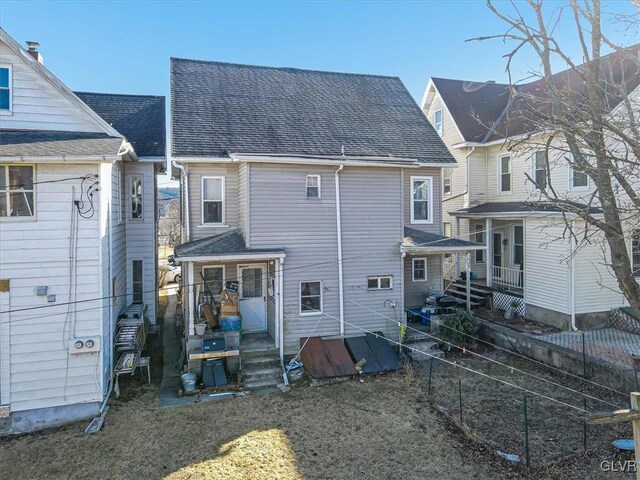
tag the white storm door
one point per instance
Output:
(252, 297)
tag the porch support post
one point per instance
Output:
(276, 300)
(281, 308)
(457, 254)
(489, 260)
(192, 299)
(468, 279)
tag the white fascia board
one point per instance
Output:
(427, 250)
(231, 258)
(152, 159)
(63, 159)
(516, 215)
(201, 159)
(57, 84)
(383, 162)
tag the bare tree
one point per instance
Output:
(586, 116)
(169, 229)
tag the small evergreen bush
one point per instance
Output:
(460, 328)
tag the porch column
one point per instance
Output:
(489, 260)
(468, 279)
(281, 308)
(276, 298)
(457, 234)
(191, 296)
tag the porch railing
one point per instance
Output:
(509, 277)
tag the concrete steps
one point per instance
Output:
(261, 368)
(431, 349)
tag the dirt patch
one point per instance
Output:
(494, 412)
(518, 323)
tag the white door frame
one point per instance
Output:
(263, 266)
(501, 251)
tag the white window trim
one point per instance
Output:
(224, 275)
(133, 280)
(307, 186)
(484, 236)
(435, 124)
(513, 244)
(500, 172)
(310, 314)
(534, 187)
(572, 188)
(413, 270)
(130, 201)
(202, 200)
(430, 200)
(4, 168)
(450, 192)
(10, 110)
(379, 277)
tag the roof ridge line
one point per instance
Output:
(118, 94)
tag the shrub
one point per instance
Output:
(460, 328)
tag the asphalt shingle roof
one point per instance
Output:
(525, 207)
(220, 108)
(228, 243)
(418, 238)
(140, 118)
(36, 143)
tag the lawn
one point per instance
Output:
(381, 428)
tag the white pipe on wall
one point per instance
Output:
(281, 307)
(339, 232)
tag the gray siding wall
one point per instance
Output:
(371, 206)
(436, 226)
(243, 199)
(415, 292)
(282, 216)
(195, 173)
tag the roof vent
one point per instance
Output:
(33, 50)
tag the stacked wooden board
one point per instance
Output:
(337, 357)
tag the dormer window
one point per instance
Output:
(5, 88)
(437, 121)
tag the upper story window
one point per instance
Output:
(540, 170)
(446, 180)
(421, 199)
(313, 186)
(437, 121)
(578, 180)
(136, 198)
(446, 229)
(213, 200)
(504, 174)
(16, 191)
(5, 88)
(635, 252)
(380, 283)
(418, 269)
(311, 298)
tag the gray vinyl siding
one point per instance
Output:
(415, 292)
(436, 173)
(140, 238)
(195, 173)
(282, 216)
(371, 231)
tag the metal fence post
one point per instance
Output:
(584, 357)
(430, 374)
(526, 431)
(460, 395)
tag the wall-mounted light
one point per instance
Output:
(505, 242)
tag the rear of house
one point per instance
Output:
(491, 199)
(318, 192)
(72, 189)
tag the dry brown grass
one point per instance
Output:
(382, 428)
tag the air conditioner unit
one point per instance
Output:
(84, 345)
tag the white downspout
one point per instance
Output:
(339, 232)
(186, 197)
(572, 280)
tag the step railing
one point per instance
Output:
(508, 277)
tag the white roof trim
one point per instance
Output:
(63, 159)
(444, 105)
(57, 84)
(227, 258)
(428, 249)
(365, 161)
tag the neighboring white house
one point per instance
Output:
(490, 200)
(77, 236)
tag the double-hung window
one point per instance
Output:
(214, 280)
(5, 89)
(504, 174)
(137, 281)
(518, 245)
(313, 186)
(16, 191)
(635, 252)
(578, 180)
(446, 181)
(418, 269)
(437, 121)
(384, 282)
(540, 170)
(311, 297)
(479, 238)
(136, 198)
(213, 200)
(421, 199)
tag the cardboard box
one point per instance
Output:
(229, 298)
(227, 309)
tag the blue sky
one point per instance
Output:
(124, 47)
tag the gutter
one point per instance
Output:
(339, 232)
(62, 158)
(186, 197)
(466, 190)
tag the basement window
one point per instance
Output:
(384, 282)
(16, 191)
